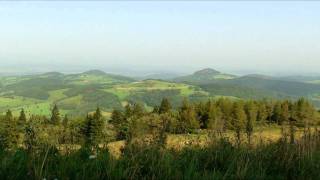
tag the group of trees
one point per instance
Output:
(134, 120)
(219, 115)
(30, 132)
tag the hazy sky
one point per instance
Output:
(235, 37)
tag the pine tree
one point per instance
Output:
(285, 114)
(116, 118)
(98, 125)
(65, 121)
(87, 131)
(165, 106)
(202, 110)
(262, 113)
(22, 118)
(55, 115)
(238, 120)
(128, 111)
(215, 118)
(251, 113)
(187, 117)
(226, 108)
(138, 110)
(276, 114)
(29, 137)
(92, 129)
(8, 132)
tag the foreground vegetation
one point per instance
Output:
(58, 147)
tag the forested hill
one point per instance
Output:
(83, 92)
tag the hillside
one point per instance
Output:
(74, 93)
(251, 86)
(203, 76)
(81, 93)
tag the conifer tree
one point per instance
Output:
(226, 108)
(215, 120)
(187, 116)
(119, 121)
(92, 129)
(8, 132)
(22, 118)
(128, 111)
(165, 106)
(98, 125)
(29, 137)
(202, 110)
(238, 120)
(116, 117)
(276, 114)
(262, 113)
(251, 113)
(138, 110)
(65, 121)
(87, 131)
(55, 115)
(285, 114)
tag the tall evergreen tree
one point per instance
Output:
(65, 121)
(226, 108)
(92, 129)
(22, 118)
(55, 115)
(29, 137)
(262, 113)
(116, 118)
(238, 120)
(8, 132)
(128, 111)
(187, 117)
(215, 120)
(276, 114)
(165, 106)
(251, 113)
(202, 110)
(285, 114)
(138, 110)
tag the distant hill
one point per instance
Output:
(161, 76)
(204, 76)
(250, 86)
(307, 79)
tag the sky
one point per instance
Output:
(141, 37)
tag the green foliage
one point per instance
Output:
(238, 119)
(55, 115)
(187, 117)
(154, 97)
(165, 106)
(251, 113)
(92, 129)
(8, 132)
(22, 118)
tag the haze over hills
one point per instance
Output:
(82, 92)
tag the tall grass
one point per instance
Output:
(221, 160)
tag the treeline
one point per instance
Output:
(218, 115)
(133, 121)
